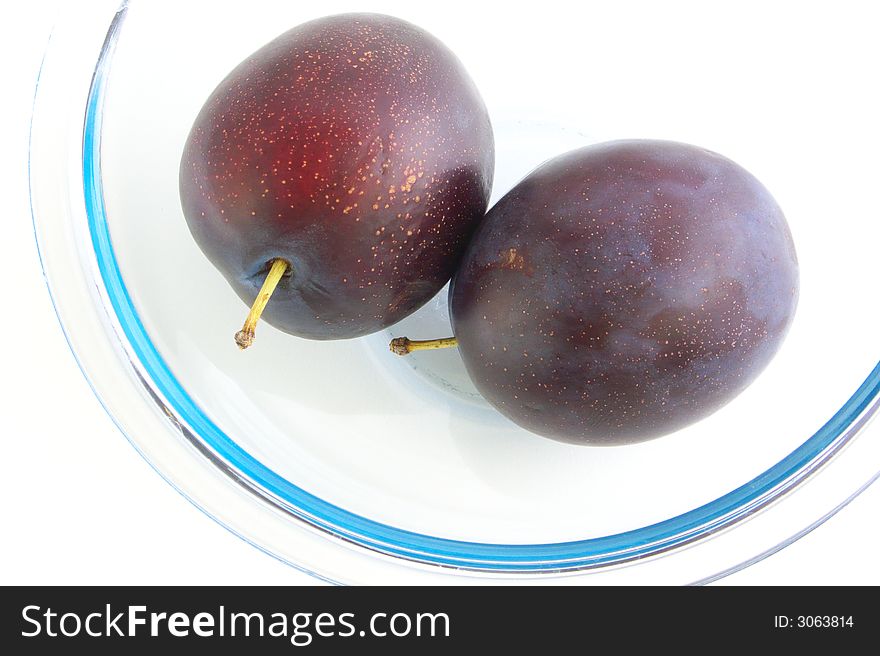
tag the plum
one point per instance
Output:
(345, 165)
(623, 291)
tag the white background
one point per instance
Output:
(80, 506)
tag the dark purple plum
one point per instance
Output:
(624, 290)
(353, 148)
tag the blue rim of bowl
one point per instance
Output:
(591, 553)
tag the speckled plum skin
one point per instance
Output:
(355, 147)
(623, 291)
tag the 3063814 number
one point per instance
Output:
(824, 621)
(813, 622)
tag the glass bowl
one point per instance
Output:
(360, 467)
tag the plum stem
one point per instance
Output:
(405, 346)
(245, 337)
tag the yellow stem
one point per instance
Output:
(404, 346)
(245, 336)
